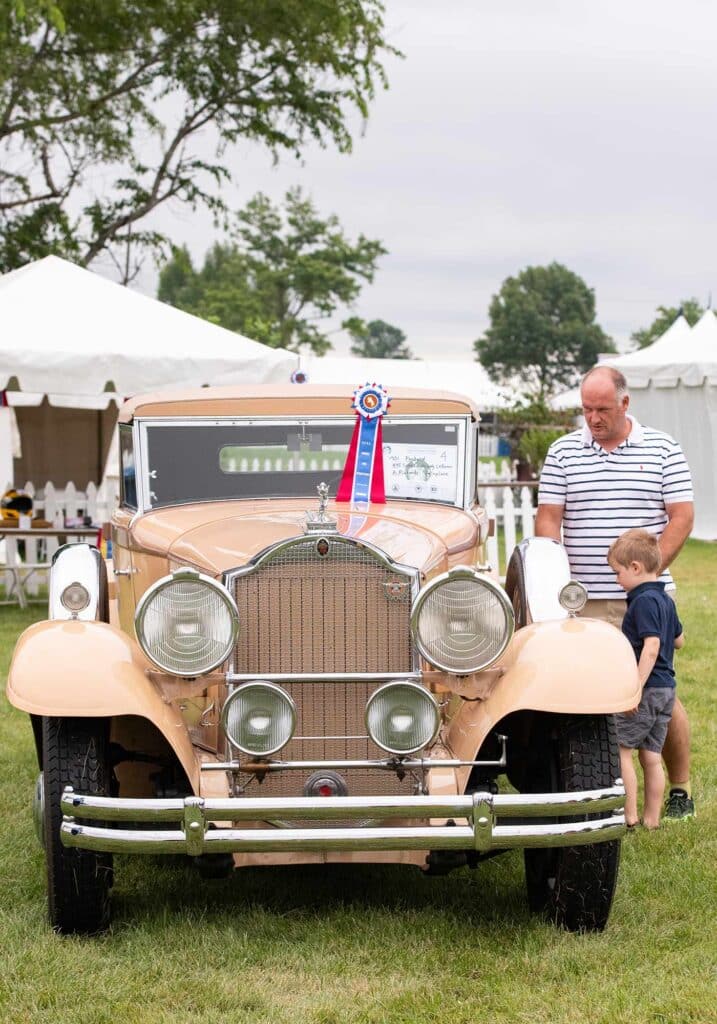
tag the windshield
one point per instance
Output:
(213, 460)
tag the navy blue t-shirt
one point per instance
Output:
(650, 612)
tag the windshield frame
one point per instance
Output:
(466, 429)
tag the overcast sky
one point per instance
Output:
(517, 132)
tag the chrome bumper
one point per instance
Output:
(477, 822)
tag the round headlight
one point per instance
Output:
(462, 621)
(259, 718)
(186, 623)
(573, 596)
(402, 718)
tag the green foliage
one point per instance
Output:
(534, 443)
(101, 103)
(282, 273)
(690, 309)
(531, 427)
(523, 416)
(542, 331)
(377, 340)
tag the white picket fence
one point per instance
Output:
(513, 512)
(55, 505)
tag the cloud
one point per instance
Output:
(515, 134)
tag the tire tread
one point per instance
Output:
(78, 881)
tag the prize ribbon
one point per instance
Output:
(362, 479)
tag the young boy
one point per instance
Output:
(654, 631)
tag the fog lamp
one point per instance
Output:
(402, 717)
(259, 718)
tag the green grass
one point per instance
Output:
(374, 944)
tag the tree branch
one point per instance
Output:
(203, 115)
(28, 125)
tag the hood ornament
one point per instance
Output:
(320, 522)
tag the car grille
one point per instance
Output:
(301, 612)
(345, 611)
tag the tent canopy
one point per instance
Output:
(66, 330)
(74, 342)
(673, 387)
(680, 355)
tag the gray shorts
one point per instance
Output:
(647, 728)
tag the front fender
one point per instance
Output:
(76, 669)
(572, 666)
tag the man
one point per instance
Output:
(608, 477)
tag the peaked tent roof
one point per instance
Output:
(66, 330)
(681, 355)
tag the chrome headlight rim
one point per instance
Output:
(457, 573)
(406, 684)
(186, 575)
(264, 684)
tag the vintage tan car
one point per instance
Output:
(272, 677)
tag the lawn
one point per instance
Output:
(374, 944)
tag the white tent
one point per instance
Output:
(67, 330)
(71, 335)
(673, 387)
(465, 377)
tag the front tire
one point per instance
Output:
(574, 885)
(75, 753)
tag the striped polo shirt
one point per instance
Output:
(606, 493)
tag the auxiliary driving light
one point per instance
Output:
(259, 718)
(402, 718)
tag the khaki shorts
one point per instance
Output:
(610, 610)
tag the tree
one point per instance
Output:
(666, 316)
(101, 105)
(279, 276)
(543, 330)
(530, 428)
(377, 340)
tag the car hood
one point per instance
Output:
(220, 536)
